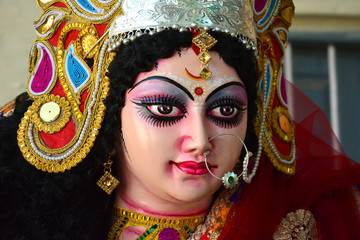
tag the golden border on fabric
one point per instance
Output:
(96, 18)
(300, 224)
(51, 24)
(108, 7)
(44, 4)
(69, 92)
(148, 221)
(130, 218)
(285, 135)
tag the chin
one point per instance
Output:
(194, 190)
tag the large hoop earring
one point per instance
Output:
(230, 179)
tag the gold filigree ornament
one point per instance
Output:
(44, 4)
(108, 182)
(86, 41)
(50, 113)
(298, 225)
(48, 23)
(282, 125)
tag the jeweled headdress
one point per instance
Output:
(77, 40)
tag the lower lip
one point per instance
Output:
(192, 168)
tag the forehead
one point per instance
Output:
(185, 69)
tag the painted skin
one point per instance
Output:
(167, 120)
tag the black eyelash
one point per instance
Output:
(155, 120)
(224, 122)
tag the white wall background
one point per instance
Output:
(16, 38)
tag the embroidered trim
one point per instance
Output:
(300, 225)
(355, 191)
(157, 227)
(7, 109)
(216, 218)
(57, 125)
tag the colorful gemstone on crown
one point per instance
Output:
(204, 41)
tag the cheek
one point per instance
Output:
(228, 147)
(142, 139)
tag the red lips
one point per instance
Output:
(193, 168)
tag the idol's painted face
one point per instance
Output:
(168, 117)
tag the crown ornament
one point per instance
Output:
(233, 17)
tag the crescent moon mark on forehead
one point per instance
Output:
(193, 77)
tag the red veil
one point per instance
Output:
(322, 183)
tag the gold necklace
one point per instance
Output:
(156, 227)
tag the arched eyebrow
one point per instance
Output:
(165, 79)
(224, 86)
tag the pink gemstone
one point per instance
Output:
(169, 234)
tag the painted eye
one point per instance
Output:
(224, 112)
(161, 111)
(165, 110)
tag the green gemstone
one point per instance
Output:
(231, 179)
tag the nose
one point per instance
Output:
(196, 136)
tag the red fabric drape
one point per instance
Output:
(321, 183)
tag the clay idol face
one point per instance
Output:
(168, 117)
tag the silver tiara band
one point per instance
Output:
(233, 17)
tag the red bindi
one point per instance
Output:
(199, 91)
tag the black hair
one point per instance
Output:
(69, 205)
